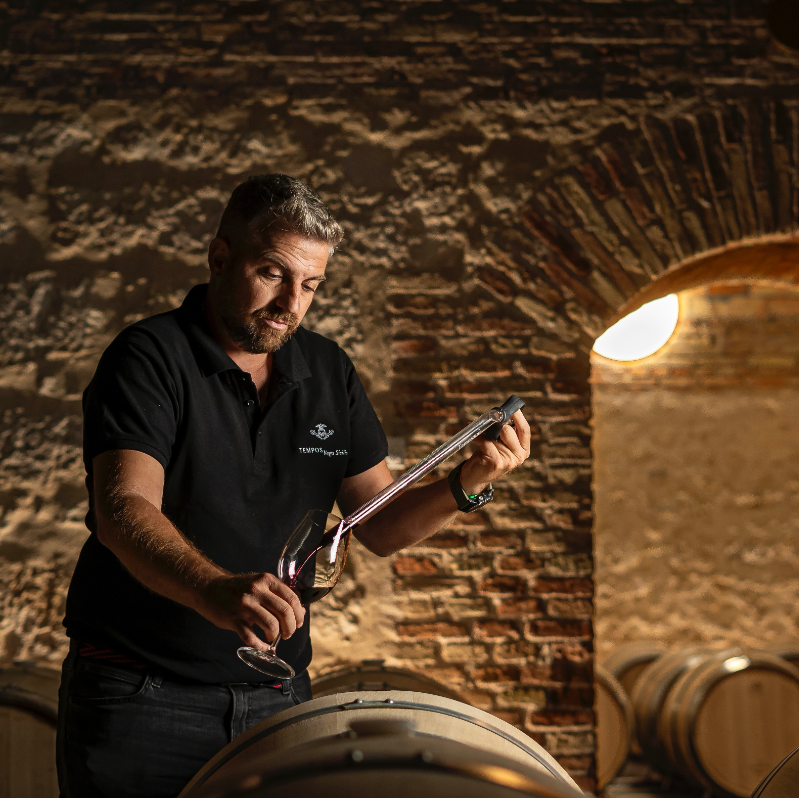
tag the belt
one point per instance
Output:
(110, 656)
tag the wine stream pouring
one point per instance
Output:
(313, 558)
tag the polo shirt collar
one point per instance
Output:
(289, 360)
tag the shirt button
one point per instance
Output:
(249, 403)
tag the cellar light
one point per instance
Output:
(642, 332)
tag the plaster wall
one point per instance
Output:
(697, 481)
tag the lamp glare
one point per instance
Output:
(642, 332)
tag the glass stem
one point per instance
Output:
(273, 644)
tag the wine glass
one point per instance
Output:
(311, 564)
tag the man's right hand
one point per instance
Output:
(240, 601)
(128, 489)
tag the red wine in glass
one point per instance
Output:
(311, 563)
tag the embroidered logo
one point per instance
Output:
(322, 432)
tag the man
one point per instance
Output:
(209, 431)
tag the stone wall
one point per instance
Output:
(509, 174)
(696, 479)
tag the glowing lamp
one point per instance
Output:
(642, 332)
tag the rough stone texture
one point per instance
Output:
(696, 479)
(509, 173)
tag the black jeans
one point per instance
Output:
(125, 733)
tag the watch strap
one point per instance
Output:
(466, 503)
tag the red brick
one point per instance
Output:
(514, 718)
(577, 717)
(492, 326)
(423, 631)
(495, 539)
(535, 674)
(491, 630)
(412, 388)
(518, 607)
(545, 584)
(414, 346)
(408, 566)
(495, 674)
(569, 607)
(503, 584)
(519, 563)
(496, 282)
(468, 389)
(429, 410)
(550, 628)
(420, 304)
(431, 584)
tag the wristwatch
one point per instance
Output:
(466, 503)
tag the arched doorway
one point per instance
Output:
(694, 447)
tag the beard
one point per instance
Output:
(253, 334)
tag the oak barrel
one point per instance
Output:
(649, 695)
(374, 674)
(629, 661)
(782, 780)
(786, 650)
(321, 729)
(728, 721)
(614, 725)
(627, 664)
(28, 714)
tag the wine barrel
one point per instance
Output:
(782, 780)
(789, 651)
(614, 725)
(28, 714)
(649, 695)
(627, 664)
(727, 721)
(319, 731)
(374, 674)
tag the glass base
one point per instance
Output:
(266, 661)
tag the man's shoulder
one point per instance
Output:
(157, 335)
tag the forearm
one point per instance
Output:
(155, 551)
(413, 516)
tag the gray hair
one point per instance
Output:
(280, 202)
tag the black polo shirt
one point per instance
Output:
(237, 479)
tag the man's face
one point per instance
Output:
(262, 290)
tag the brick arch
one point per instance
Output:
(772, 258)
(644, 200)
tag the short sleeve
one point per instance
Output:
(368, 444)
(131, 402)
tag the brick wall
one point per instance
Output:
(509, 174)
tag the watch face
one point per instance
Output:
(482, 498)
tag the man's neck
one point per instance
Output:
(258, 366)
